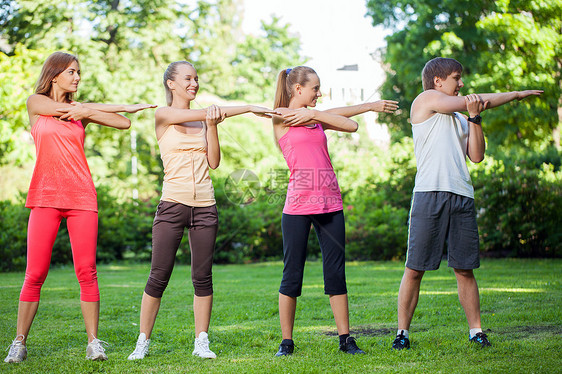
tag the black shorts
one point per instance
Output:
(437, 218)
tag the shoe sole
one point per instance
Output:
(209, 357)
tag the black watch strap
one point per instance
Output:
(476, 119)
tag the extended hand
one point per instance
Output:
(133, 108)
(523, 94)
(214, 115)
(474, 104)
(77, 113)
(295, 117)
(387, 106)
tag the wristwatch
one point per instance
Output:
(476, 119)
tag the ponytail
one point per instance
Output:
(285, 82)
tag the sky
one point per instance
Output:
(333, 33)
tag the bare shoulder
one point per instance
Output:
(38, 99)
(422, 108)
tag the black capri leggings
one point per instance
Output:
(167, 232)
(330, 231)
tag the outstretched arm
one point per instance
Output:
(169, 116)
(329, 121)
(439, 102)
(497, 99)
(387, 106)
(114, 108)
(38, 105)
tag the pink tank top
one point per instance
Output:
(313, 186)
(61, 177)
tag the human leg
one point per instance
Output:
(469, 296)
(408, 296)
(330, 231)
(427, 233)
(464, 257)
(202, 237)
(167, 232)
(83, 232)
(42, 231)
(295, 229)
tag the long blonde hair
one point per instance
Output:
(53, 66)
(286, 81)
(170, 74)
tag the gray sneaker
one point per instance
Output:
(18, 351)
(95, 351)
(141, 349)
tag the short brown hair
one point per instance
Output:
(53, 66)
(440, 67)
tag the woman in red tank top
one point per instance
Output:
(62, 187)
(313, 196)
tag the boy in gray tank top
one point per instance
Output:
(442, 209)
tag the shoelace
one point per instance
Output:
(141, 347)
(12, 347)
(97, 345)
(204, 345)
(480, 336)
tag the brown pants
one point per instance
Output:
(167, 231)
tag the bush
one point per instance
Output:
(13, 234)
(519, 208)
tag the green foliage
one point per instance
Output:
(259, 59)
(519, 208)
(16, 83)
(124, 48)
(503, 46)
(13, 234)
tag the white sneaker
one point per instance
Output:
(18, 351)
(141, 349)
(202, 346)
(95, 351)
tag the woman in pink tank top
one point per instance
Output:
(62, 187)
(189, 146)
(313, 196)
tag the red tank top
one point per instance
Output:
(313, 186)
(61, 177)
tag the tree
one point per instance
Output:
(124, 48)
(259, 59)
(503, 45)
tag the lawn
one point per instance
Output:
(521, 303)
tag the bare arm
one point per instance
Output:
(114, 108)
(214, 117)
(38, 105)
(329, 121)
(169, 116)
(497, 99)
(432, 101)
(476, 142)
(387, 106)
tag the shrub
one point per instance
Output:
(519, 208)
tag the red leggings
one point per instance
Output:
(41, 234)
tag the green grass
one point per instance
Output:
(521, 304)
